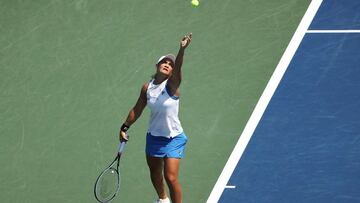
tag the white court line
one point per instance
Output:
(230, 186)
(333, 31)
(263, 102)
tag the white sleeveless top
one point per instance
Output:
(164, 120)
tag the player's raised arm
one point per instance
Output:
(175, 79)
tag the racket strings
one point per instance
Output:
(108, 184)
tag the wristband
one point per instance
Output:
(124, 128)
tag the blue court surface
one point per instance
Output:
(306, 146)
(337, 15)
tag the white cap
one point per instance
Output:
(167, 56)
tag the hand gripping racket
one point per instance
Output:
(107, 185)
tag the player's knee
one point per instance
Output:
(171, 178)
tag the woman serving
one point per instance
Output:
(165, 139)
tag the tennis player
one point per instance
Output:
(165, 139)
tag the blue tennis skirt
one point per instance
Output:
(166, 147)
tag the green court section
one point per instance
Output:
(71, 70)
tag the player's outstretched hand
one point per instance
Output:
(186, 41)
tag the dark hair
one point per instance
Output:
(153, 75)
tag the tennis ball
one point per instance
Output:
(195, 3)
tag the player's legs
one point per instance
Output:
(171, 172)
(156, 166)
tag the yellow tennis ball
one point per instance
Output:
(195, 3)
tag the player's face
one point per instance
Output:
(165, 67)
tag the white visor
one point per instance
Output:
(168, 56)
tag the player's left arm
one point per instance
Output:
(175, 78)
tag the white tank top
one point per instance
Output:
(164, 120)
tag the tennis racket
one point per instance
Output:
(107, 184)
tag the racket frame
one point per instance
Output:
(117, 159)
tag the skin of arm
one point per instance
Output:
(175, 78)
(135, 112)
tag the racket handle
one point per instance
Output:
(121, 147)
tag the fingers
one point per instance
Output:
(186, 40)
(187, 37)
(190, 36)
(123, 137)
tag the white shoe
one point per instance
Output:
(162, 200)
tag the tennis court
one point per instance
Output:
(70, 71)
(304, 131)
